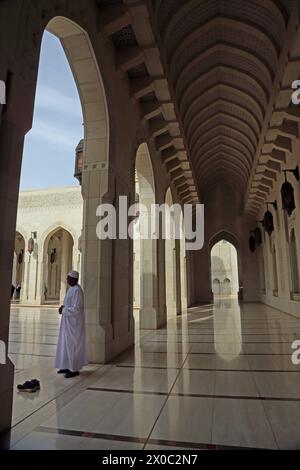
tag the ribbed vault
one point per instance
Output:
(221, 57)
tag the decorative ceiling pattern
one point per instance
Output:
(221, 58)
(127, 24)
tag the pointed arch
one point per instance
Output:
(81, 57)
(57, 261)
(224, 264)
(170, 258)
(144, 247)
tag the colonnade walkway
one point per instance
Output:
(221, 376)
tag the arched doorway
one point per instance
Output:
(73, 45)
(85, 67)
(170, 258)
(144, 247)
(58, 250)
(224, 269)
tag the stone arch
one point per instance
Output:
(22, 232)
(96, 170)
(140, 146)
(144, 247)
(80, 54)
(170, 258)
(79, 50)
(231, 238)
(144, 169)
(53, 228)
(219, 270)
(54, 271)
(224, 235)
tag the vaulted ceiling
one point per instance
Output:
(221, 58)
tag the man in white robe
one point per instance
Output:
(71, 353)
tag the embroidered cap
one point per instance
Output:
(74, 274)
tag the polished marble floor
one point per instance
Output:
(219, 377)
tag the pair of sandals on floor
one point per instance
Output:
(33, 385)
(30, 386)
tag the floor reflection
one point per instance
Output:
(220, 376)
(227, 327)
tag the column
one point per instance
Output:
(29, 291)
(161, 283)
(15, 122)
(33, 278)
(24, 291)
(106, 268)
(14, 275)
(178, 287)
(148, 271)
(183, 275)
(76, 260)
(148, 285)
(171, 276)
(11, 145)
(64, 265)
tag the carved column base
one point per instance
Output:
(104, 343)
(149, 318)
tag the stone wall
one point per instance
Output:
(42, 213)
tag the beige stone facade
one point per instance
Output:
(53, 219)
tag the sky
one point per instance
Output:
(49, 150)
